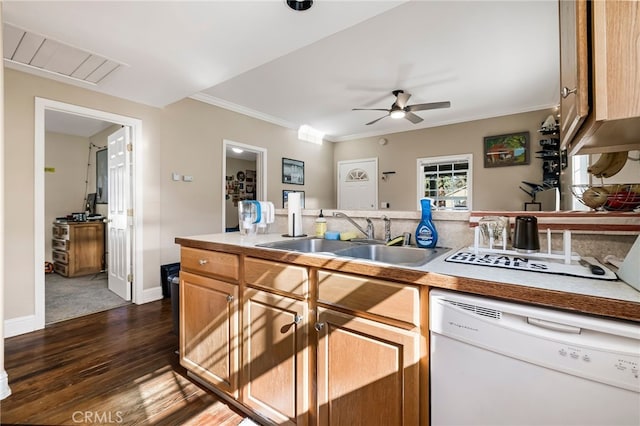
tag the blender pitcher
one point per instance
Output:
(248, 216)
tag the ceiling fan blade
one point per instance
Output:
(412, 118)
(369, 109)
(402, 100)
(376, 120)
(432, 105)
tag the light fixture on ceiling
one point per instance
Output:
(300, 5)
(237, 150)
(397, 113)
(309, 134)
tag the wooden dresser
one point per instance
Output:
(78, 248)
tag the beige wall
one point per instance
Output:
(493, 188)
(185, 137)
(65, 187)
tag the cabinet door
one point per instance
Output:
(209, 330)
(574, 84)
(368, 372)
(86, 248)
(275, 357)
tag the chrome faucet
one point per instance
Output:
(368, 232)
(387, 228)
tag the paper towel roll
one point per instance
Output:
(294, 228)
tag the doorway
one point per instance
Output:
(244, 177)
(135, 261)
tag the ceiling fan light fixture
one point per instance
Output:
(397, 114)
(300, 5)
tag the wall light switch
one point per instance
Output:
(175, 176)
(187, 178)
(384, 205)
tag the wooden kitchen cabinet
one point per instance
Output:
(209, 324)
(276, 357)
(574, 67)
(613, 123)
(368, 356)
(368, 372)
(78, 248)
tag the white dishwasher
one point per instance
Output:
(501, 363)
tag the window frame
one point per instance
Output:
(445, 159)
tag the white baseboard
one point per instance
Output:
(20, 325)
(5, 391)
(150, 295)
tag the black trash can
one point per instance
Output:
(175, 303)
(166, 272)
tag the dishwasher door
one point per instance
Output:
(497, 363)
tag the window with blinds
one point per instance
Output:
(446, 180)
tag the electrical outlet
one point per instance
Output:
(187, 178)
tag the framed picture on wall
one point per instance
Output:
(285, 198)
(506, 150)
(102, 177)
(292, 171)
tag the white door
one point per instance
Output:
(358, 184)
(118, 223)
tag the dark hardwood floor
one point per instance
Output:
(113, 367)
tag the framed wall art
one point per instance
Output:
(285, 198)
(506, 150)
(292, 171)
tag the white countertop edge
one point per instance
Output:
(617, 290)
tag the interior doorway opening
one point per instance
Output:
(42, 106)
(244, 177)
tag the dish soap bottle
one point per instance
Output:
(426, 234)
(321, 225)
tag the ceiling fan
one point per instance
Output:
(400, 109)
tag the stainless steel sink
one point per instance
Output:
(309, 245)
(370, 250)
(407, 256)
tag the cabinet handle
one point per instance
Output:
(319, 326)
(566, 91)
(203, 261)
(229, 298)
(297, 319)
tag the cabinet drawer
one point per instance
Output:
(384, 299)
(208, 262)
(58, 244)
(61, 268)
(277, 276)
(61, 257)
(60, 231)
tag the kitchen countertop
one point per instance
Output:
(592, 296)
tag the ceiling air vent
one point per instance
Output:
(41, 53)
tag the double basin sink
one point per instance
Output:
(363, 250)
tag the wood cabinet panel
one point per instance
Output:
(209, 330)
(574, 67)
(213, 263)
(276, 357)
(389, 301)
(277, 276)
(78, 248)
(368, 373)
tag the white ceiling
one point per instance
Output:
(291, 68)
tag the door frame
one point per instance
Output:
(41, 105)
(261, 172)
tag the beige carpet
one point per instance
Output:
(67, 298)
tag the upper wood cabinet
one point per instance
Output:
(613, 54)
(574, 67)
